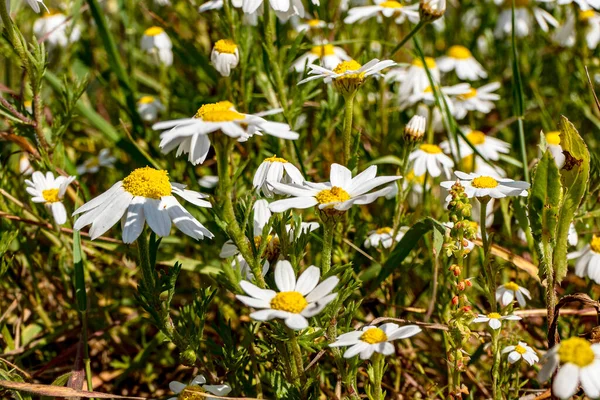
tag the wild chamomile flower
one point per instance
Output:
(50, 191)
(328, 55)
(553, 144)
(374, 339)
(312, 24)
(283, 8)
(486, 186)
(225, 56)
(583, 4)
(336, 196)
(580, 365)
(415, 79)
(480, 99)
(190, 135)
(460, 60)
(275, 169)
(94, 163)
(296, 300)
(415, 129)
(148, 107)
(488, 146)
(494, 320)
(145, 195)
(427, 96)
(384, 8)
(53, 28)
(506, 294)
(197, 385)
(588, 21)
(156, 41)
(525, 12)
(25, 167)
(521, 351)
(588, 260)
(384, 237)
(430, 158)
(432, 10)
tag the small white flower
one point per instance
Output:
(196, 384)
(449, 93)
(374, 339)
(328, 55)
(384, 8)
(432, 10)
(93, 164)
(494, 319)
(312, 24)
(506, 294)
(524, 15)
(148, 107)
(415, 129)
(156, 41)
(145, 195)
(480, 99)
(296, 300)
(283, 8)
(460, 60)
(275, 169)
(25, 167)
(53, 28)
(50, 191)
(429, 158)
(583, 4)
(553, 144)
(225, 56)
(483, 186)
(521, 351)
(384, 237)
(580, 365)
(588, 263)
(415, 80)
(488, 146)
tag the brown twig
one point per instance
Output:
(16, 113)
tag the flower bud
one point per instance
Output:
(430, 10)
(188, 357)
(460, 285)
(455, 301)
(415, 129)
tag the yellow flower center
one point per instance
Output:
(576, 351)
(271, 251)
(390, 4)
(494, 315)
(520, 349)
(192, 392)
(553, 138)
(218, 112)
(313, 23)
(484, 182)
(459, 52)
(476, 137)
(334, 195)
(50, 195)
(325, 50)
(27, 103)
(511, 286)
(382, 231)
(153, 31)
(586, 15)
(374, 335)
(430, 61)
(595, 244)
(226, 46)
(410, 177)
(148, 182)
(346, 66)
(430, 148)
(275, 159)
(292, 302)
(146, 100)
(469, 95)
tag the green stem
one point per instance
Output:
(347, 134)
(406, 38)
(497, 395)
(144, 257)
(297, 355)
(86, 353)
(329, 231)
(378, 363)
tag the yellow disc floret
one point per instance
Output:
(390, 4)
(346, 66)
(586, 15)
(484, 182)
(576, 351)
(520, 349)
(476, 137)
(595, 244)
(349, 82)
(373, 336)
(146, 100)
(334, 195)
(459, 52)
(494, 315)
(313, 23)
(469, 95)
(511, 286)
(430, 148)
(325, 50)
(218, 112)
(382, 231)
(225, 46)
(430, 61)
(148, 182)
(275, 159)
(292, 302)
(553, 138)
(153, 31)
(50, 195)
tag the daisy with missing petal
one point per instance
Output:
(145, 195)
(384, 8)
(588, 260)
(296, 300)
(50, 191)
(580, 365)
(148, 107)
(494, 320)
(506, 294)
(328, 55)
(477, 185)
(225, 56)
(481, 99)
(460, 60)
(384, 237)
(488, 146)
(197, 385)
(374, 339)
(53, 28)
(521, 351)
(275, 169)
(553, 144)
(525, 12)
(338, 195)
(190, 135)
(156, 41)
(430, 158)
(94, 163)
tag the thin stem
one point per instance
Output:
(378, 366)
(406, 38)
(86, 353)
(327, 246)
(347, 134)
(497, 395)
(144, 257)
(297, 355)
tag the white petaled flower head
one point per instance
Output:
(383, 237)
(145, 195)
(488, 146)
(430, 158)
(275, 169)
(583, 4)
(190, 135)
(590, 20)
(225, 56)
(156, 41)
(148, 107)
(50, 191)
(415, 129)
(337, 196)
(416, 81)
(553, 144)
(494, 320)
(579, 362)
(374, 339)
(327, 54)
(384, 8)
(460, 60)
(481, 99)
(25, 167)
(477, 185)
(197, 385)
(506, 294)
(94, 163)
(35, 5)
(312, 24)
(295, 301)
(588, 260)
(283, 8)
(430, 10)
(53, 28)
(521, 351)
(525, 12)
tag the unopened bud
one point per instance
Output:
(188, 358)
(455, 301)
(415, 129)
(430, 10)
(466, 309)
(468, 283)
(460, 285)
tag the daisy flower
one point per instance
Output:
(190, 135)
(494, 320)
(50, 191)
(94, 163)
(145, 195)
(415, 80)
(583, 4)
(384, 8)
(588, 21)
(25, 167)
(427, 96)
(488, 146)
(225, 56)
(283, 8)
(481, 99)
(477, 185)
(460, 60)
(336, 196)
(553, 144)
(525, 12)
(53, 28)
(580, 365)
(198, 385)
(430, 158)
(384, 237)
(431, 10)
(506, 294)
(374, 339)
(312, 24)
(275, 169)
(156, 41)
(588, 260)
(521, 351)
(415, 129)
(328, 55)
(148, 107)
(295, 301)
